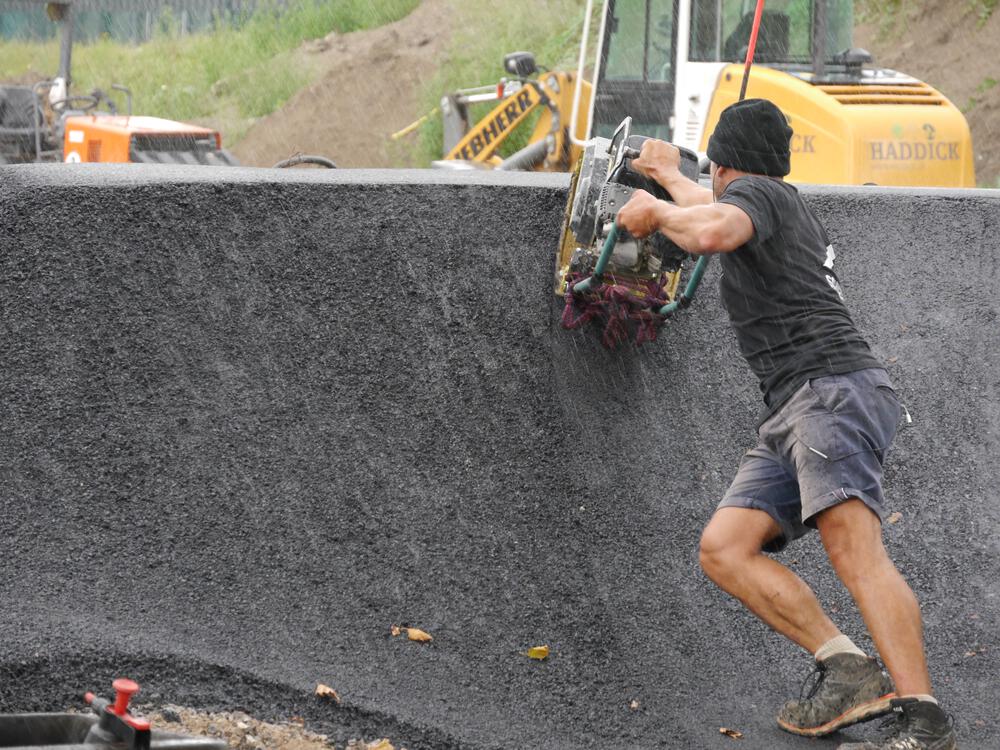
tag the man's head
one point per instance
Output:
(752, 137)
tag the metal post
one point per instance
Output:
(66, 44)
(819, 38)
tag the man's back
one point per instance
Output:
(783, 298)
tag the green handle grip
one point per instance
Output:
(685, 297)
(602, 261)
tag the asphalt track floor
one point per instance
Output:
(253, 419)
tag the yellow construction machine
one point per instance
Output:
(674, 65)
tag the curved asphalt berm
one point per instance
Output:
(252, 419)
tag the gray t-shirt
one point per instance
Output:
(783, 298)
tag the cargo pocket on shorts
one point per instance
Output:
(847, 418)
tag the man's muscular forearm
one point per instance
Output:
(661, 162)
(701, 229)
(693, 228)
(683, 191)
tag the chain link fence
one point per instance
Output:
(132, 21)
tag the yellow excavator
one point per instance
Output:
(674, 65)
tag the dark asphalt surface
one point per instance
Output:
(252, 419)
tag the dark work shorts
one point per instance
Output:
(825, 445)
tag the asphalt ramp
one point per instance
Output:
(253, 419)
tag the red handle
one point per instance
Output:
(124, 690)
(751, 47)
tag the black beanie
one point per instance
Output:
(752, 136)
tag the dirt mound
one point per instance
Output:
(368, 91)
(947, 45)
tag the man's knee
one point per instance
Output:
(717, 555)
(733, 536)
(852, 536)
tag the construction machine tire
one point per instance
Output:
(298, 159)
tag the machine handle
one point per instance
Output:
(602, 261)
(684, 298)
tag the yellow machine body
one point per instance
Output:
(853, 134)
(551, 94)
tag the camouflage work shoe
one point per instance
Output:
(916, 725)
(845, 689)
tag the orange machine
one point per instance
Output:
(48, 122)
(148, 140)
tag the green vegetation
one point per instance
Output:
(984, 8)
(986, 84)
(225, 78)
(550, 30)
(885, 14)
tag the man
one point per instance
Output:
(830, 415)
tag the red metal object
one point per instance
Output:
(141, 725)
(124, 690)
(751, 48)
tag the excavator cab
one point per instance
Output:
(648, 46)
(674, 65)
(637, 76)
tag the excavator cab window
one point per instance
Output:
(720, 30)
(637, 75)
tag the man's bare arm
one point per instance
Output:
(661, 161)
(701, 230)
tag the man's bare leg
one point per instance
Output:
(852, 536)
(731, 556)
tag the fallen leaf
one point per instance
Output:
(415, 634)
(735, 734)
(325, 691)
(634, 705)
(970, 654)
(394, 630)
(895, 517)
(380, 745)
(538, 652)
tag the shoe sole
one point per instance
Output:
(857, 715)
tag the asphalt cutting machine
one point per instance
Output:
(629, 284)
(605, 275)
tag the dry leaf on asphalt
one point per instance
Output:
(634, 705)
(538, 652)
(895, 517)
(325, 691)
(418, 635)
(394, 630)
(735, 734)
(380, 745)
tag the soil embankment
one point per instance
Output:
(370, 88)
